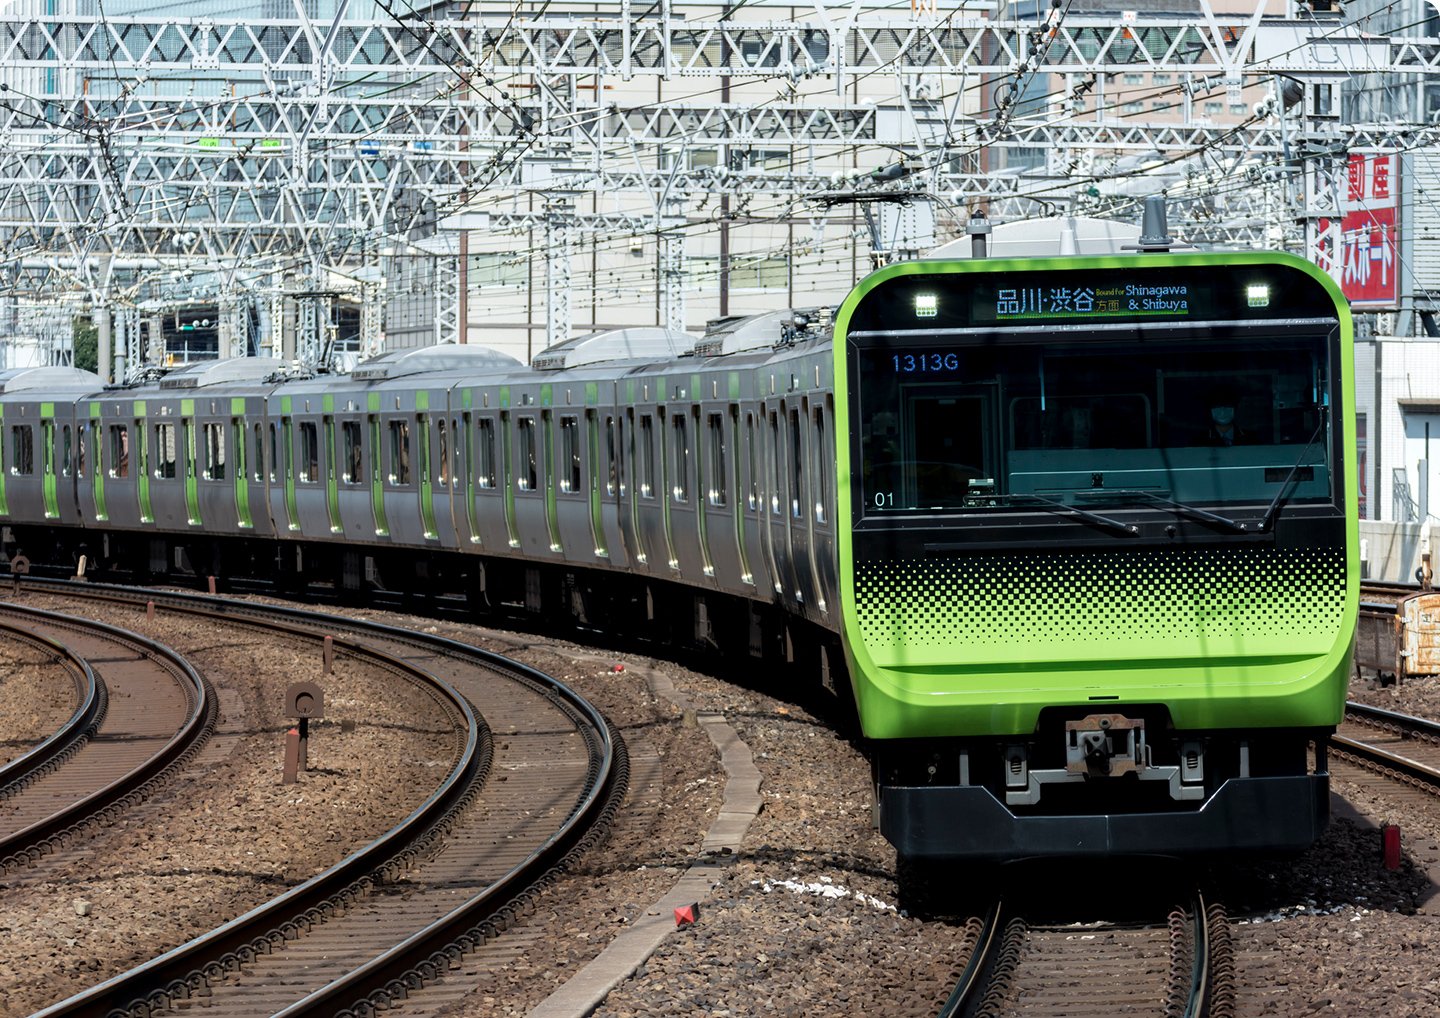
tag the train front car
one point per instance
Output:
(1101, 574)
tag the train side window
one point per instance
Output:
(165, 451)
(647, 456)
(259, 472)
(819, 455)
(350, 439)
(719, 480)
(22, 458)
(309, 452)
(399, 452)
(119, 450)
(443, 434)
(753, 499)
(67, 449)
(485, 469)
(215, 452)
(680, 490)
(525, 428)
(570, 454)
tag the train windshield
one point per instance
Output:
(960, 428)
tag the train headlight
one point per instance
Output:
(1258, 295)
(927, 305)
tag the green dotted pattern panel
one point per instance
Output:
(1017, 608)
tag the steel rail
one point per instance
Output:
(1387, 762)
(428, 952)
(65, 741)
(184, 969)
(982, 959)
(193, 733)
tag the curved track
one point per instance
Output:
(393, 917)
(1398, 746)
(1179, 967)
(146, 711)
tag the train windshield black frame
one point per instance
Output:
(978, 422)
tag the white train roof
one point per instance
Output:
(25, 379)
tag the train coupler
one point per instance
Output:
(1101, 746)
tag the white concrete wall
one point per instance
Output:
(1391, 552)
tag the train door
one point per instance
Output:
(399, 474)
(576, 496)
(798, 513)
(354, 477)
(507, 477)
(531, 520)
(618, 534)
(777, 536)
(754, 551)
(822, 497)
(220, 480)
(50, 483)
(467, 522)
(375, 447)
(722, 499)
(627, 438)
(682, 520)
(598, 475)
(649, 521)
(550, 479)
(492, 492)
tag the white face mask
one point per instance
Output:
(1222, 415)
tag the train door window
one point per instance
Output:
(237, 442)
(646, 460)
(309, 452)
(47, 448)
(819, 456)
(718, 478)
(92, 448)
(442, 435)
(525, 427)
(119, 450)
(67, 449)
(399, 452)
(485, 469)
(797, 472)
(570, 453)
(613, 477)
(547, 448)
(753, 499)
(165, 451)
(775, 470)
(422, 422)
(215, 452)
(352, 448)
(274, 455)
(22, 448)
(259, 466)
(680, 490)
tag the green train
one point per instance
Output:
(1080, 532)
(1100, 577)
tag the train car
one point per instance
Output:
(1098, 562)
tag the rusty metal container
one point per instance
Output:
(1417, 635)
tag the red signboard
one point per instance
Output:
(1369, 247)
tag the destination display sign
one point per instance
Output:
(1086, 299)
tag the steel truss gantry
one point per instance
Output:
(297, 149)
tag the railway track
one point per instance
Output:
(396, 915)
(1181, 966)
(143, 711)
(1397, 746)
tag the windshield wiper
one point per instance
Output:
(1274, 510)
(1084, 514)
(1191, 511)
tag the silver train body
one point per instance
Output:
(622, 475)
